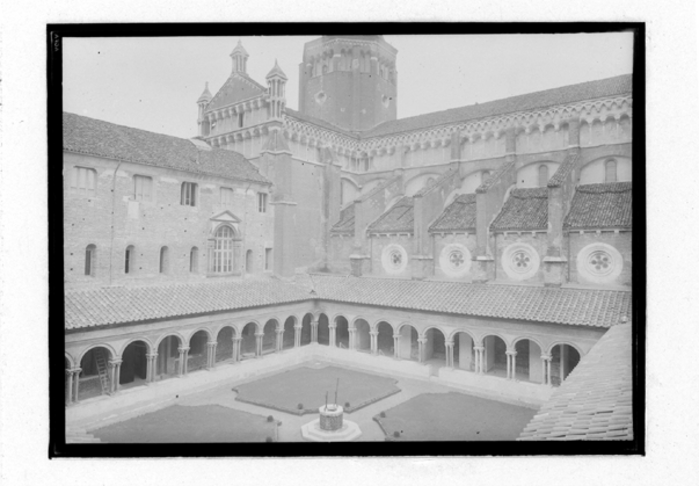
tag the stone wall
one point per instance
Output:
(591, 240)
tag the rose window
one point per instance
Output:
(600, 262)
(396, 258)
(521, 261)
(456, 258)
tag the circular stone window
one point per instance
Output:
(520, 261)
(599, 263)
(320, 97)
(455, 260)
(394, 259)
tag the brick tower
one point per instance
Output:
(349, 81)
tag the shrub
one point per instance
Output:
(300, 406)
(347, 405)
(269, 439)
(270, 418)
(382, 415)
(396, 434)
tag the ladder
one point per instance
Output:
(102, 369)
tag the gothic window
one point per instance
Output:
(223, 250)
(129, 260)
(164, 260)
(83, 179)
(194, 260)
(543, 175)
(188, 194)
(241, 120)
(261, 202)
(610, 171)
(268, 259)
(142, 188)
(226, 196)
(90, 258)
(248, 261)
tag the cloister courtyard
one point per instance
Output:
(274, 407)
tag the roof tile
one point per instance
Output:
(607, 205)
(525, 209)
(398, 219)
(460, 215)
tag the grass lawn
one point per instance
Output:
(207, 423)
(454, 416)
(307, 386)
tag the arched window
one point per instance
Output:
(248, 261)
(90, 260)
(194, 260)
(188, 194)
(164, 260)
(129, 260)
(543, 175)
(223, 250)
(610, 171)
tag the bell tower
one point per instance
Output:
(349, 81)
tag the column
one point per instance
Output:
(69, 394)
(297, 335)
(114, 371)
(76, 384)
(333, 328)
(314, 330)
(396, 344)
(511, 360)
(150, 367)
(352, 338)
(479, 368)
(546, 364)
(449, 345)
(211, 354)
(237, 341)
(374, 342)
(258, 344)
(421, 349)
(184, 355)
(280, 340)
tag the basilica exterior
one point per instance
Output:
(485, 246)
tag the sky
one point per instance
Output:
(153, 83)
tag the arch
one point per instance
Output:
(495, 359)
(176, 334)
(269, 336)
(134, 363)
(528, 365)
(341, 332)
(362, 335)
(529, 175)
(434, 348)
(349, 190)
(168, 360)
(197, 357)
(323, 330)
(288, 338)
(610, 174)
(564, 358)
(249, 262)
(463, 350)
(419, 181)
(224, 343)
(248, 346)
(164, 262)
(94, 378)
(194, 260)
(551, 347)
(144, 339)
(224, 259)
(70, 359)
(109, 347)
(407, 342)
(384, 338)
(130, 260)
(594, 171)
(306, 337)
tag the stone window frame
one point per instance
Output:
(83, 180)
(513, 254)
(584, 262)
(188, 194)
(388, 259)
(140, 184)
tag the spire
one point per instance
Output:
(240, 58)
(206, 95)
(276, 71)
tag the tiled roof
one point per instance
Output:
(577, 307)
(238, 87)
(570, 162)
(346, 223)
(398, 219)
(601, 206)
(525, 209)
(595, 401)
(460, 215)
(495, 177)
(557, 96)
(118, 305)
(103, 139)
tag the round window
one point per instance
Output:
(520, 261)
(599, 263)
(455, 260)
(394, 259)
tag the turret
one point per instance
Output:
(203, 100)
(240, 59)
(276, 83)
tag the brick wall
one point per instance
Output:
(538, 241)
(442, 240)
(378, 243)
(621, 241)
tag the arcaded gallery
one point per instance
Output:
(326, 273)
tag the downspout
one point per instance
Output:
(111, 237)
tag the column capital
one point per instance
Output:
(422, 340)
(183, 349)
(332, 326)
(114, 362)
(546, 357)
(259, 334)
(211, 343)
(237, 338)
(74, 370)
(511, 353)
(396, 336)
(298, 326)
(151, 355)
(479, 348)
(448, 343)
(373, 333)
